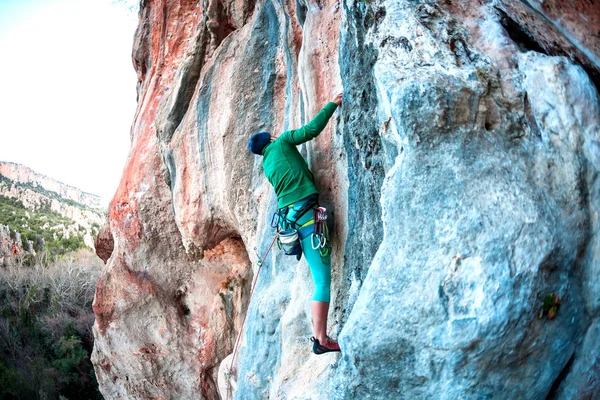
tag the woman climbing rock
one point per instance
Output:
(297, 200)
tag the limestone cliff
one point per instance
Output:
(38, 191)
(461, 178)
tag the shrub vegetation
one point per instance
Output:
(44, 227)
(45, 329)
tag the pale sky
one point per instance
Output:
(67, 89)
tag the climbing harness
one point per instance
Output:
(289, 232)
(287, 238)
(320, 236)
(228, 374)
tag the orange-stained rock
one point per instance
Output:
(155, 310)
(104, 243)
(570, 28)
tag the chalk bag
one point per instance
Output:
(290, 242)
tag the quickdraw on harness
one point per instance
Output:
(320, 236)
(229, 372)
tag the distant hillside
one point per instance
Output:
(38, 212)
(44, 184)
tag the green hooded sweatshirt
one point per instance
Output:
(284, 166)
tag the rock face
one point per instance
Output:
(104, 243)
(461, 179)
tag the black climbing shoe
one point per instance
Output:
(328, 345)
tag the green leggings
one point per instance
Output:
(320, 267)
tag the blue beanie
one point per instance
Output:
(258, 142)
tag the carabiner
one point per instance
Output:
(312, 240)
(275, 220)
(321, 213)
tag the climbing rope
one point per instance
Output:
(260, 263)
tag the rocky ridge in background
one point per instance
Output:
(40, 192)
(461, 179)
(21, 174)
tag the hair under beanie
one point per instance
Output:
(258, 142)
